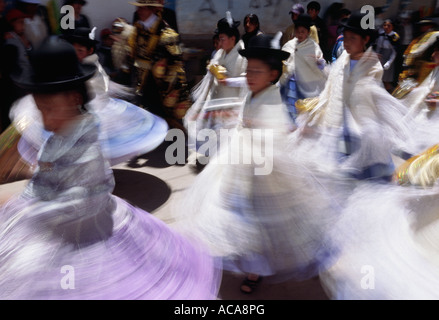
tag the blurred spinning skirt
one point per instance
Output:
(126, 130)
(121, 254)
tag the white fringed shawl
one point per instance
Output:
(209, 88)
(303, 63)
(358, 99)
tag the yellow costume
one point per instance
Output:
(12, 167)
(154, 57)
(418, 170)
(417, 62)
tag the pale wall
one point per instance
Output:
(394, 7)
(102, 12)
(199, 17)
(193, 19)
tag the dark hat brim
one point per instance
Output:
(256, 52)
(78, 39)
(27, 82)
(426, 22)
(227, 28)
(302, 24)
(366, 32)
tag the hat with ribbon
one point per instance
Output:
(303, 20)
(264, 46)
(147, 3)
(83, 36)
(54, 67)
(426, 21)
(355, 24)
(226, 24)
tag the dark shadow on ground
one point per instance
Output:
(157, 157)
(289, 290)
(141, 189)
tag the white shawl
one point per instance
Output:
(415, 100)
(357, 101)
(303, 63)
(424, 119)
(345, 88)
(236, 66)
(266, 110)
(209, 88)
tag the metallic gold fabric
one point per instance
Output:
(12, 167)
(401, 175)
(306, 105)
(218, 71)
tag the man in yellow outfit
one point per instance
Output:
(417, 62)
(154, 59)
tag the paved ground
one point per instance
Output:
(153, 185)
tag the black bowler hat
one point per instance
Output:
(226, 24)
(353, 23)
(264, 46)
(303, 20)
(54, 67)
(426, 21)
(82, 35)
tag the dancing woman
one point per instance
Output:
(219, 94)
(422, 104)
(304, 74)
(66, 236)
(126, 130)
(387, 237)
(263, 213)
(350, 132)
